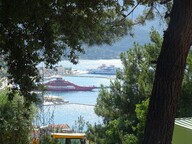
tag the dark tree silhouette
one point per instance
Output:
(169, 75)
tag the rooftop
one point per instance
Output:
(184, 122)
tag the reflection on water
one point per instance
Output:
(70, 112)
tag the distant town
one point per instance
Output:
(58, 70)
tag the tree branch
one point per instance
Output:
(164, 1)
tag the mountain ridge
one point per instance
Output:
(113, 51)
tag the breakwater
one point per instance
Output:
(83, 76)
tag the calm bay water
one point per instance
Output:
(80, 103)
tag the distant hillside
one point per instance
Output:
(141, 36)
(112, 52)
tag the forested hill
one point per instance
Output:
(141, 35)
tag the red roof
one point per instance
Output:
(59, 126)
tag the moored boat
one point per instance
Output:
(104, 70)
(62, 85)
(53, 100)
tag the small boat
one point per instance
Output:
(53, 100)
(104, 70)
(62, 85)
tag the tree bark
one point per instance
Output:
(169, 74)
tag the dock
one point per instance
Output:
(81, 104)
(84, 76)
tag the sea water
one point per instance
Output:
(81, 103)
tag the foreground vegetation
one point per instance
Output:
(15, 120)
(124, 106)
(32, 32)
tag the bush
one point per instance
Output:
(15, 120)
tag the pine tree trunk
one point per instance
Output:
(169, 74)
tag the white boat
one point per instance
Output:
(104, 70)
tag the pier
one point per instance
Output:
(85, 76)
(98, 87)
(81, 104)
(56, 104)
(94, 76)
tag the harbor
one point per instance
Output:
(66, 106)
(78, 103)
